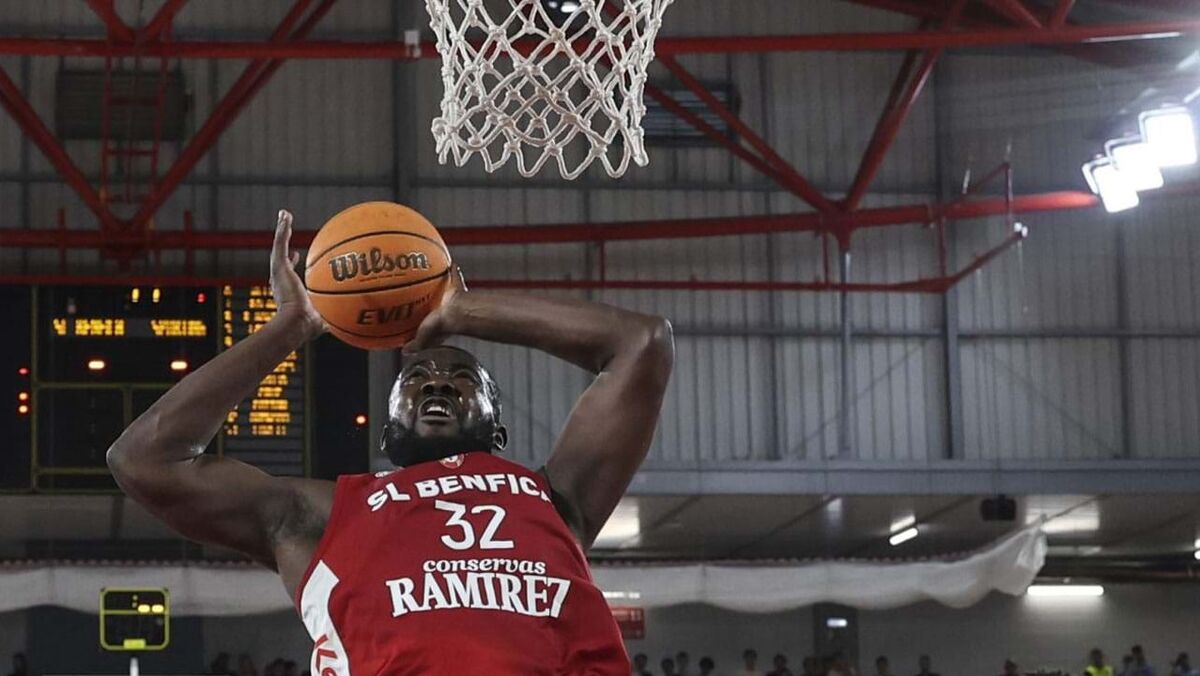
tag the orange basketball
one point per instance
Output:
(374, 271)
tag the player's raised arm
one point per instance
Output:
(611, 427)
(159, 460)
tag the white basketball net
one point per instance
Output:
(523, 81)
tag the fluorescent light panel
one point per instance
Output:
(1065, 590)
(903, 536)
(1171, 136)
(1135, 161)
(1114, 188)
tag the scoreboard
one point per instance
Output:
(103, 355)
(269, 428)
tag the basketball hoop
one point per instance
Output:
(526, 86)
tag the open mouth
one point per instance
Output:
(436, 409)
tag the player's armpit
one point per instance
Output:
(225, 502)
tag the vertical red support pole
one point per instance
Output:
(106, 127)
(159, 104)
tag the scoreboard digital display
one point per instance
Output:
(269, 428)
(135, 619)
(109, 327)
(106, 354)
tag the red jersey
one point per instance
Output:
(457, 566)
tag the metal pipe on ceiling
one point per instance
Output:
(717, 44)
(586, 232)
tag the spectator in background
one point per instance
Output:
(1097, 665)
(780, 662)
(1140, 667)
(681, 663)
(811, 666)
(20, 665)
(882, 668)
(289, 668)
(220, 665)
(839, 665)
(926, 666)
(1010, 668)
(749, 663)
(706, 666)
(1182, 666)
(246, 666)
(639, 665)
(668, 666)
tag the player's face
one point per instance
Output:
(441, 404)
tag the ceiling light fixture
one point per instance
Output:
(1106, 180)
(1171, 134)
(903, 536)
(1063, 591)
(1135, 161)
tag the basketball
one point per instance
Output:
(374, 271)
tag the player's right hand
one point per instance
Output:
(291, 298)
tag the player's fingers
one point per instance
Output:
(457, 278)
(294, 258)
(283, 232)
(425, 337)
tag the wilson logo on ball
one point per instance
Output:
(374, 262)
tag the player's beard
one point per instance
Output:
(404, 447)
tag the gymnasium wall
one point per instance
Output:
(12, 636)
(1084, 343)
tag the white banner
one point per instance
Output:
(1009, 566)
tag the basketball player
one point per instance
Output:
(458, 561)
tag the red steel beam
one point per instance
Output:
(27, 119)
(893, 118)
(923, 285)
(108, 14)
(984, 259)
(255, 75)
(161, 20)
(795, 182)
(593, 232)
(799, 187)
(1016, 12)
(392, 50)
(1058, 17)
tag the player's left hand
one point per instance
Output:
(436, 326)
